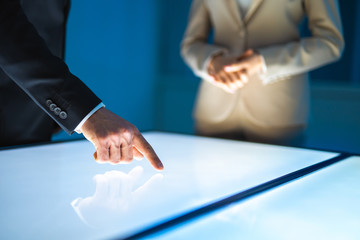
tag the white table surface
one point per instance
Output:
(58, 191)
(322, 205)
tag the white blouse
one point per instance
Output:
(244, 6)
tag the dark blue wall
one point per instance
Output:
(111, 46)
(127, 52)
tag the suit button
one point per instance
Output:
(63, 115)
(52, 106)
(57, 110)
(48, 102)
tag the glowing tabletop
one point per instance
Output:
(57, 191)
(322, 205)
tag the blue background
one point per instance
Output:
(127, 52)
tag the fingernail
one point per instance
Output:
(160, 165)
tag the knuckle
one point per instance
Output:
(103, 142)
(127, 133)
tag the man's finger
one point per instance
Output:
(137, 154)
(96, 158)
(115, 154)
(102, 154)
(126, 153)
(143, 146)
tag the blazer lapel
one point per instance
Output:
(233, 8)
(254, 6)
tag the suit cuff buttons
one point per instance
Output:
(54, 108)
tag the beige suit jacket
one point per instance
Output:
(280, 97)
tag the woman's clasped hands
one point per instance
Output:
(232, 72)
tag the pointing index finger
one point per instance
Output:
(145, 148)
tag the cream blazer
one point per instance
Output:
(280, 97)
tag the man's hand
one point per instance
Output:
(228, 81)
(116, 140)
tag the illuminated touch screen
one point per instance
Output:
(58, 191)
(323, 205)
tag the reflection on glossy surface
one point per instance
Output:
(115, 198)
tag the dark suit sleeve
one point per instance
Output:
(26, 59)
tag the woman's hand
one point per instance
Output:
(250, 62)
(228, 81)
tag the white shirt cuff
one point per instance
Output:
(78, 127)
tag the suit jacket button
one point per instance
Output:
(48, 102)
(57, 110)
(63, 115)
(52, 106)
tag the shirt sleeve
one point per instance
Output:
(78, 127)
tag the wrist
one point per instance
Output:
(261, 62)
(212, 64)
(79, 127)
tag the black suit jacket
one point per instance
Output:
(31, 48)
